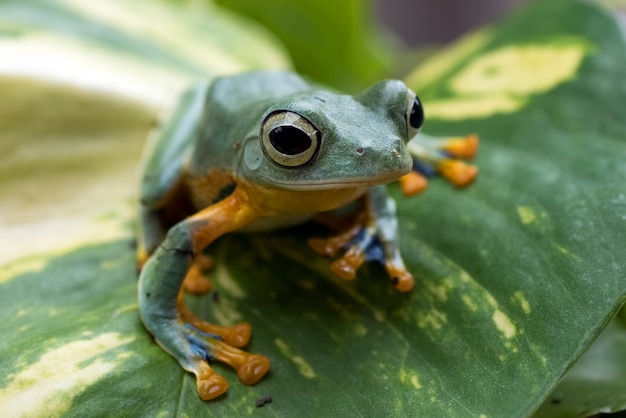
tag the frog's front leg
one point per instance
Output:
(443, 156)
(374, 236)
(189, 340)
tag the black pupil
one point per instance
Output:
(289, 140)
(417, 114)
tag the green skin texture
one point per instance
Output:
(218, 126)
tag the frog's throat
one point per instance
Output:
(270, 201)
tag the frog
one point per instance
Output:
(264, 150)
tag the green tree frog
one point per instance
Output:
(266, 150)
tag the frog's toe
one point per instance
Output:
(253, 369)
(356, 254)
(204, 262)
(440, 156)
(343, 269)
(368, 246)
(329, 247)
(238, 335)
(250, 367)
(195, 282)
(402, 280)
(457, 172)
(209, 384)
(464, 147)
(413, 183)
(346, 266)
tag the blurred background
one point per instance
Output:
(423, 22)
(353, 43)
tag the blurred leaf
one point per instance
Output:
(596, 384)
(82, 83)
(333, 42)
(516, 276)
(141, 49)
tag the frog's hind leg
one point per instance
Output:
(152, 232)
(433, 156)
(163, 202)
(191, 341)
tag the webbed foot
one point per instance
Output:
(238, 335)
(195, 343)
(372, 237)
(440, 156)
(191, 341)
(205, 347)
(214, 342)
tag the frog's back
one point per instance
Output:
(233, 110)
(205, 126)
(228, 95)
(168, 149)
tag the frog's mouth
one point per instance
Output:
(339, 183)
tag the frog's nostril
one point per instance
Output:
(399, 146)
(359, 151)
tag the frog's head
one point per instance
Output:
(321, 140)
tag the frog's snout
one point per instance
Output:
(395, 146)
(398, 148)
(384, 157)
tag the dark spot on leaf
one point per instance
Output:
(216, 297)
(263, 401)
(148, 294)
(555, 401)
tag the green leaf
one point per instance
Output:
(516, 276)
(330, 41)
(596, 383)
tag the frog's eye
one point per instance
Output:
(289, 139)
(414, 113)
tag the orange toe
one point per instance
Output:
(457, 172)
(413, 183)
(254, 369)
(210, 385)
